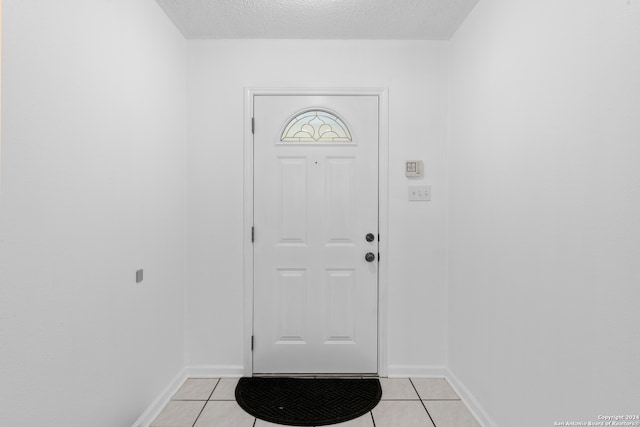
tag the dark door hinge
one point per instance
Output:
(251, 342)
(253, 234)
(378, 256)
(253, 125)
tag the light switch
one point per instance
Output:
(139, 276)
(420, 194)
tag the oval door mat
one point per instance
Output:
(308, 401)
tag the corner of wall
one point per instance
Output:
(200, 371)
(469, 400)
(160, 402)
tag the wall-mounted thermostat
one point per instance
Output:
(414, 168)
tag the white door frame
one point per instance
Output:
(383, 210)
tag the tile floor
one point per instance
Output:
(415, 402)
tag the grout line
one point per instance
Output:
(441, 400)
(199, 413)
(415, 389)
(399, 400)
(425, 408)
(422, 403)
(206, 403)
(214, 389)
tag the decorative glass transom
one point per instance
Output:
(316, 126)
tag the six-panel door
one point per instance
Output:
(315, 201)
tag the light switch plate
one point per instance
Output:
(420, 194)
(139, 276)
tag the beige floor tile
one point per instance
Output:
(397, 389)
(224, 414)
(401, 414)
(434, 388)
(179, 414)
(363, 421)
(196, 389)
(450, 413)
(226, 389)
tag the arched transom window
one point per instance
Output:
(316, 126)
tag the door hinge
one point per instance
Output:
(251, 342)
(378, 256)
(253, 234)
(253, 125)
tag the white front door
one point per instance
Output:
(315, 219)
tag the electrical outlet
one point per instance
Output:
(420, 194)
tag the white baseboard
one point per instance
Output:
(416, 371)
(214, 371)
(159, 403)
(469, 400)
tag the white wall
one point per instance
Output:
(415, 73)
(93, 188)
(544, 214)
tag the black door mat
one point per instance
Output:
(308, 401)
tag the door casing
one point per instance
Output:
(383, 178)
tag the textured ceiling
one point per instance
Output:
(317, 19)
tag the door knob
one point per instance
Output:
(370, 257)
(370, 237)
